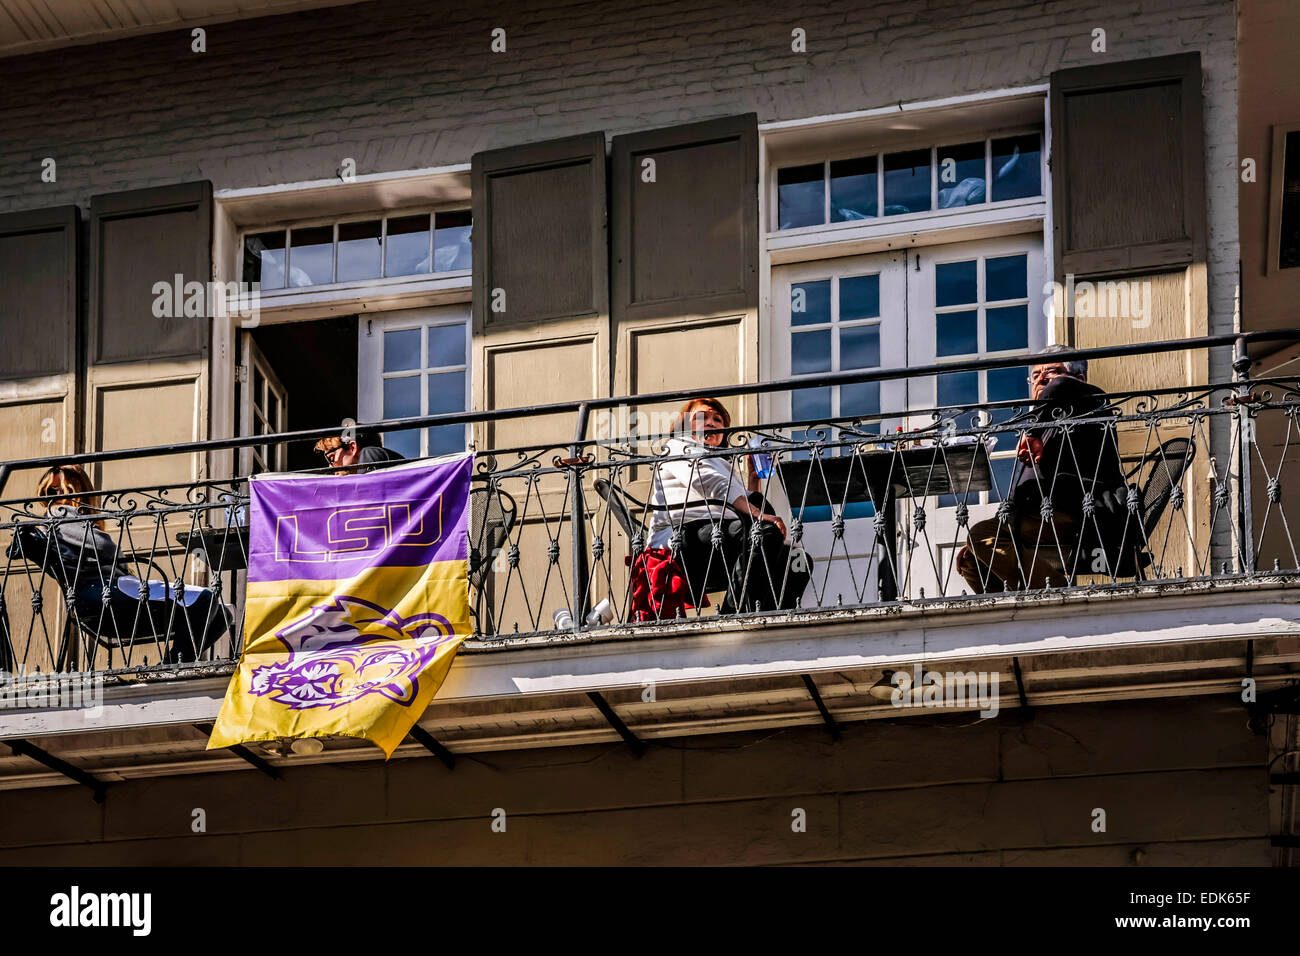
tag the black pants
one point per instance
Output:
(754, 574)
(190, 630)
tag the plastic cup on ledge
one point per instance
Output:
(601, 614)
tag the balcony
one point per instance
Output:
(593, 580)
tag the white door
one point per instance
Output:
(967, 300)
(830, 316)
(416, 362)
(264, 410)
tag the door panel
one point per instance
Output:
(966, 300)
(833, 316)
(684, 244)
(148, 373)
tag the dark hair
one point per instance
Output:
(368, 438)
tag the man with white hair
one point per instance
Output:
(1063, 460)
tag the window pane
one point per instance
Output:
(1008, 384)
(1004, 278)
(264, 259)
(359, 250)
(956, 333)
(446, 439)
(451, 240)
(406, 443)
(1004, 472)
(860, 400)
(402, 397)
(853, 189)
(907, 182)
(402, 350)
(859, 297)
(961, 175)
(955, 283)
(860, 347)
(311, 256)
(1007, 328)
(1289, 248)
(800, 196)
(814, 403)
(446, 393)
(810, 352)
(1016, 167)
(810, 302)
(446, 345)
(959, 388)
(408, 246)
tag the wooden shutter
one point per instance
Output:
(541, 334)
(1128, 166)
(147, 376)
(39, 302)
(685, 257)
(541, 299)
(1129, 210)
(1128, 195)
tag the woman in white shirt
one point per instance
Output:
(697, 495)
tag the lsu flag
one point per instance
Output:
(358, 597)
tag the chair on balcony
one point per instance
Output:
(665, 581)
(492, 517)
(117, 609)
(657, 588)
(1160, 472)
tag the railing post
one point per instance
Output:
(1245, 431)
(578, 518)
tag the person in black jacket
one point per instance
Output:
(355, 447)
(1062, 461)
(109, 599)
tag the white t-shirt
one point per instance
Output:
(694, 478)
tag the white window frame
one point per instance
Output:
(931, 144)
(370, 360)
(272, 298)
(241, 211)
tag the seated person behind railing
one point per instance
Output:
(755, 578)
(355, 447)
(85, 559)
(1062, 467)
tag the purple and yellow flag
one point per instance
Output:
(358, 597)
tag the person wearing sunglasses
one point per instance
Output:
(355, 451)
(1062, 466)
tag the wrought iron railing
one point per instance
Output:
(792, 518)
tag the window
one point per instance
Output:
(416, 362)
(981, 308)
(950, 176)
(313, 255)
(834, 317)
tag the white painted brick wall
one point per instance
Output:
(401, 84)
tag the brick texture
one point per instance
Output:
(397, 84)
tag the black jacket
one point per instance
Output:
(376, 454)
(1077, 458)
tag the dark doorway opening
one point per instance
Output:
(317, 364)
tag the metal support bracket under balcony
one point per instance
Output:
(243, 753)
(430, 743)
(616, 722)
(815, 694)
(25, 748)
(1026, 712)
